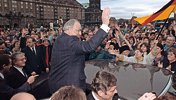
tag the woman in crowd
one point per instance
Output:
(160, 56)
(170, 63)
(16, 47)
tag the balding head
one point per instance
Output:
(69, 24)
(23, 96)
(72, 28)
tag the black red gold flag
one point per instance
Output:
(162, 14)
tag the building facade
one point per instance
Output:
(19, 13)
(93, 12)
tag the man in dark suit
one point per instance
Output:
(34, 55)
(68, 54)
(17, 77)
(6, 92)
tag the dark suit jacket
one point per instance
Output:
(68, 60)
(90, 96)
(6, 92)
(16, 80)
(34, 62)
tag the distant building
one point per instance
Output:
(93, 12)
(19, 13)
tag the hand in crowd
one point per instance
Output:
(147, 96)
(31, 79)
(160, 65)
(105, 16)
(33, 73)
(117, 27)
(24, 32)
(107, 45)
(47, 70)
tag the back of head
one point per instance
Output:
(103, 81)
(23, 96)
(69, 24)
(69, 93)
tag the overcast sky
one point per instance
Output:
(128, 8)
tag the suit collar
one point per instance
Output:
(94, 96)
(1, 75)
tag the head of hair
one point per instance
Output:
(172, 49)
(4, 60)
(15, 55)
(29, 37)
(103, 81)
(167, 96)
(69, 93)
(22, 95)
(2, 41)
(123, 48)
(69, 24)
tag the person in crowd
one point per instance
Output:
(47, 49)
(17, 77)
(6, 92)
(68, 54)
(170, 40)
(146, 40)
(103, 87)
(170, 63)
(16, 47)
(152, 35)
(35, 57)
(22, 96)
(139, 57)
(160, 56)
(132, 41)
(3, 48)
(69, 93)
(145, 48)
(22, 37)
(124, 50)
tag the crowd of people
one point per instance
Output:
(62, 53)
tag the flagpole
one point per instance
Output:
(162, 28)
(164, 24)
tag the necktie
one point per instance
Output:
(24, 73)
(33, 50)
(47, 58)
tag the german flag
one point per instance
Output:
(162, 14)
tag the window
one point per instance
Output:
(31, 5)
(21, 4)
(26, 5)
(5, 4)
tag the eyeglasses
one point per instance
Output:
(79, 30)
(22, 59)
